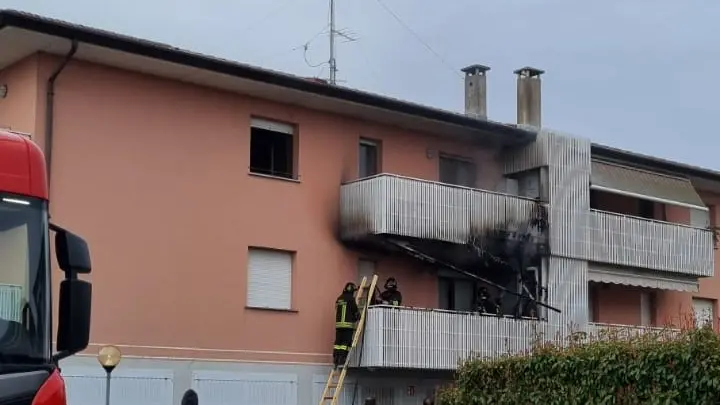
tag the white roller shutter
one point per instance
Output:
(272, 126)
(704, 311)
(269, 279)
(699, 218)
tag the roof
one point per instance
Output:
(30, 33)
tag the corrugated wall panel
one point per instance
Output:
(527, 157)
(567, 288)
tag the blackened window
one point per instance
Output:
(456, 294)
(460, 172)
(368, 159)
(272, 149)
(646, 209)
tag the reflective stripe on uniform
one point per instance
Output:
(341, 317)
(341, 347)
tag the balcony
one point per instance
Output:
(636, 242)
(412, 338)
(401, 206)
(432, 339)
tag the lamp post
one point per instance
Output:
(108, 357)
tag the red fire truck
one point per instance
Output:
(29, 373)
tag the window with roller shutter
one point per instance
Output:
(704, 310)
(269, 283)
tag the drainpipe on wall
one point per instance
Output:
(50, 109)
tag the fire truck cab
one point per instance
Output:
(29, 373)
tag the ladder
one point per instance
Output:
(336, 379)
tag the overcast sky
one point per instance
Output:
(639, 75)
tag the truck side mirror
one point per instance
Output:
(72, 252)
(73, 257)
(73, 333)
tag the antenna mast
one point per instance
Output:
(332, 62)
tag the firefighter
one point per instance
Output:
(346, 314)
(391, 295)
(483, 301)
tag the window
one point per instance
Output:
(272, 147)
(529, 184)
(699, 218)
(456, 294)
(593, 199)
(646, 209)
(24, 278)
(647, 306)
(269, 283)
(457, 171)
(704, 311)
(366, 268)
(368, 159)
(592, 299)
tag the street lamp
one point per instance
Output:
(108, 357)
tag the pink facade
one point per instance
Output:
(155, 174)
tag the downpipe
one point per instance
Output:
(50, 109)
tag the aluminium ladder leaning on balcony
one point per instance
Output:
(336, 379)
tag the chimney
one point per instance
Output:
(529, 102)
(476, 91)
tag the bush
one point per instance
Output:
(649, 369)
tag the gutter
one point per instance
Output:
(50, 109)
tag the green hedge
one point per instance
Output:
(649, 369)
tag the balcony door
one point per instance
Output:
(458, 171)
(456, 294)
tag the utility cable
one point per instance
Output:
(306, 46)
(418, 38)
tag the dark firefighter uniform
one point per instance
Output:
(346, 314)
(391, 295)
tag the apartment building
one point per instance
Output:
(227, 205)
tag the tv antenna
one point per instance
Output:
(334, 33)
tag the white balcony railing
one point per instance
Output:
(606, 330)
(636, 242)
(413, 338)
(396, 205)
(436, 339)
